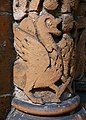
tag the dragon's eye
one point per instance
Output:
(48, 22)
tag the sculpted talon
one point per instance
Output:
(33, 98)
(58, 100)
(37, 100)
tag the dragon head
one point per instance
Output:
(52, 25)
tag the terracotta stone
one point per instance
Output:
(19, 9)
(34, 5)
(46, 49)
(35, 60)
(50, 4)
(44, 60)
(45, 46)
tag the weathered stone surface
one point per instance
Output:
(50, 5)
(67, 53)
(19, 9)
(44, 59)
(22, 6)
(45, 44)
(27, 25)
(34, 5)
(80, 115)
(38, 63)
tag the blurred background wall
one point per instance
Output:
(80, 71)
(6, 56)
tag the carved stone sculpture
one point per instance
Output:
(44, 69)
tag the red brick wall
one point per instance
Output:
(6, 55)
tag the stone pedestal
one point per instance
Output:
(79, 114)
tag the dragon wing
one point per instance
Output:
(32, 51)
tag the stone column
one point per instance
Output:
(6, 54)
(44, 35)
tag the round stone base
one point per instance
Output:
(18, 115)
(47, 109)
